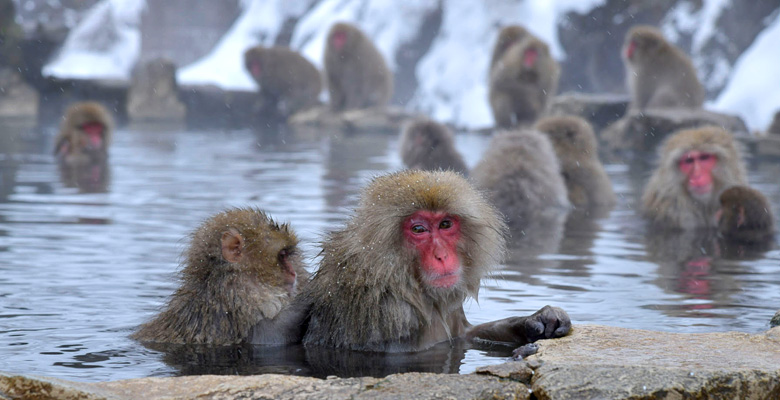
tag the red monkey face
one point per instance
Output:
(256, 69)
(435, 236)
(529, 57)
(630, 49)
(697, 166)
(94, 132)
(338, 40)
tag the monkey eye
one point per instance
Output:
(418, 229)
(445, 224)
(285, 253)
(704, 157)
(688, 160)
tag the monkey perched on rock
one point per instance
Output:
(241, 272)
(658, 74)
(522, 175)
(508, 36)
(577, 149)
(356, 73)
(395, 277)
(429, 145)
(745, 215)
(288, 82)
(695, 166)
(521, 82)
(84, 134)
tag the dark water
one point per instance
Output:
(81, 267)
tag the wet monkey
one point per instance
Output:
(522, 81)
(429, 145)
(240, 274)
(394, 278)
(658, 74)
(695, 166)
(745, 215)
(576, 146)
(356, 74)
(288, 82)
(85, 133)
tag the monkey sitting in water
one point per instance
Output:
(745, 215)
(84, 134)
(241, 272)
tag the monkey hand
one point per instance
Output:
(547, 323)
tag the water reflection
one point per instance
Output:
(81, 267)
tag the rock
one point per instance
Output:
(209, 106)
(378, 120)
(619, 363)
(599, 109)
(774, 127)
(643, 131)
(17, 99)
(515, 370)
(767, 145)
(775, 320)
(154, 93)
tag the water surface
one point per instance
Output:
(86, 256)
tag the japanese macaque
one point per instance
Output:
(745, 215)
(658, 74)
(429, 145)
(288, 82)
(241, 272)
(395, 277)
(522, 175)
(508, 36)
(84, 134)
(521, 82)
(356, 73)
(575, 144)
(695, 166)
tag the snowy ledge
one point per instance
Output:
(592, 362)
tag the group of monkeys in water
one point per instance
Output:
(395, 277)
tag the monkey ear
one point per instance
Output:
(232, 245)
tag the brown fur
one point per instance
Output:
(659, 74)
(508, 36)
(521, 173)
(221, 302)
(288, 82)
(365, 295)
(746, 215)
(519, 94)
(575, 144)
(70, 143)
(357, 76)
(429, 145)
(666, 201)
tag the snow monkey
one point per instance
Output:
(745, 215)
(575, 144)
(521, 83)
(356, 74)
(429, 145)
(288, 82)
(395, 277)
(508, 36)
(658, 74)
(695, 166)
(240, 274)
(84, 134)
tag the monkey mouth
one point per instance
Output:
(447, 280)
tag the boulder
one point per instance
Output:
(17, 99)
(644, 130)
(154, 93)
(599, 109)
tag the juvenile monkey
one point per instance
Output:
(522, 176)
(288, 82)
(395, 277)
(241, 272)
(84, 134)
(745, 215)
(508, 36)
(357, 75)
(658, 74)
(429, 145)
(695, 166)
(577, 149)
(521, 82)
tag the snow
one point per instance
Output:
(105, 45)
(754, 89)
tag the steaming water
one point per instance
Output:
(80, 268)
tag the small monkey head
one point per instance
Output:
(88, 127)
(641, 42)
(253, 61)
(570, 135)
(339, 36)
(507, 37)
(743, 208)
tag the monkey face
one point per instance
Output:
(697, 168)
(435, 236)
(338, 39)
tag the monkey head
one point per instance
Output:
(569, 135)
(704, 162)
(641, 42)
(340, 37)
(86, 129)
(506, 38)
(742, 209)
(253, 61)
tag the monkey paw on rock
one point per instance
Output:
(547, 323)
